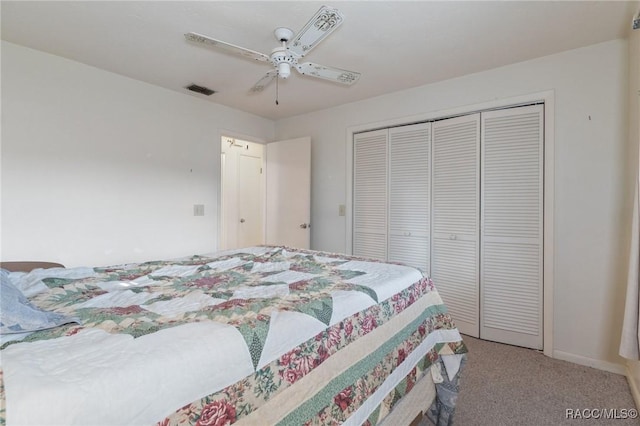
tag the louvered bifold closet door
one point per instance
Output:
(370, 194)
(512, 227)
(409, 193)
(455, 217)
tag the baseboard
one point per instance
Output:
(590, 362)
(634, 385)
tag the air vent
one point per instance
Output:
(201, 89)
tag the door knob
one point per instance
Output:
(305, 226)
(242, 220)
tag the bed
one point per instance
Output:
(258, 336)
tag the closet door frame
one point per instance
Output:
(546, 97)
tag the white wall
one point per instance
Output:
(100, 169)
(591, 176)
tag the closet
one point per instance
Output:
(462, 199)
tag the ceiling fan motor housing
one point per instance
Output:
(282, 59)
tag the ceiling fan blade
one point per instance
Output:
(328, 73)
(323, 23)
(247, 53)
(264, 82)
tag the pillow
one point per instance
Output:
(31, 283)
(18, 315)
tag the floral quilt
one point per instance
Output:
(210, 340)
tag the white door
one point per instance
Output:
(242, 220)
(409, 195)
(455, 218)
(370, 194)
(512, 228)
(288, 193)
(250, 201)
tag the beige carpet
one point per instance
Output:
(508, 385)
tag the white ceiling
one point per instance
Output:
(395, 45)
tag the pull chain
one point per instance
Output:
(277, 78)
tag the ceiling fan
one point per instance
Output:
(283, 57)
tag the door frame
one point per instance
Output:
(546, 97)
(222, 133)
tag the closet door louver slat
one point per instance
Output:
(455, 217)
(370, 194)
(409, 195)
(512, 226)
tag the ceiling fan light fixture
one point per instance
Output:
(284, 69)
(282, 60)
